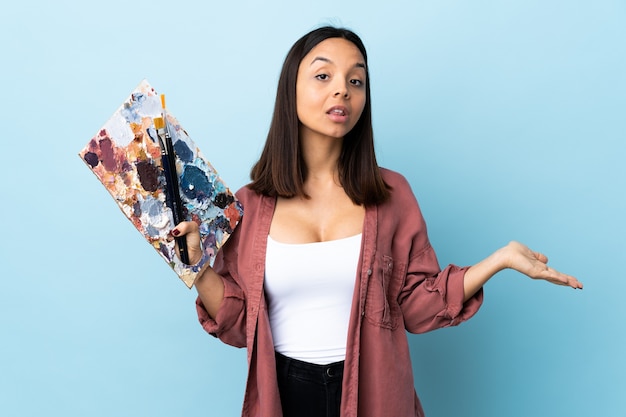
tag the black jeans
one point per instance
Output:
(307, 389)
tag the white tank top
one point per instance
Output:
(309, 288)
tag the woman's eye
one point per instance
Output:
(322, 77)
(356, 82)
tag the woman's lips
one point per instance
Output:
(338, 114)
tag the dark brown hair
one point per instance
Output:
(281, 171)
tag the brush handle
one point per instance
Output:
(173, 199)
(181, 241)
(177, 204)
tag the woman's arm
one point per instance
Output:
(209, 284)
(520, 258)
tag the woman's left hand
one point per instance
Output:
(534, 264)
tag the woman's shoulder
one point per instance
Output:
(401, 192)
(394, 179)
(245, 192)
(246, 195)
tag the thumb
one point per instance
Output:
(541, 257)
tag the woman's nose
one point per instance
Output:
(341, 90)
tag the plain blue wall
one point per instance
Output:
(508, 118)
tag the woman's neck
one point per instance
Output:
(321, 157)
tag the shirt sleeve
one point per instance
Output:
(429, 297)
(432, 298)
(229, 325)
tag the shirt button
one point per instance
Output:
(369, 272)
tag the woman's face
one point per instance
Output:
(330, 89)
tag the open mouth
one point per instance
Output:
(338, 111)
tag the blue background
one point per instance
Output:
(507, 117)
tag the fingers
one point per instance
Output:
(574, 283)
(543, 271)
(190, 231)
(559, 278)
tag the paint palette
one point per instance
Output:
(125, 156)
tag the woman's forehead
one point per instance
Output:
(333, 50)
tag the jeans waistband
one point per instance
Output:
(309, 371)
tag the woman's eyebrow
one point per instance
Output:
(324, 59)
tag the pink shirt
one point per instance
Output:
(400, 287)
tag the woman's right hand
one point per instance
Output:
(192, 234)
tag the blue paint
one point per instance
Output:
(152, 207)
(194, 184)
(130, 109)
(183, 152)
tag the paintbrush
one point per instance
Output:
(168, 161)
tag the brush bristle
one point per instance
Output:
(162, 100)
(159, 123)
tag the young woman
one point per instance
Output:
(331, 264)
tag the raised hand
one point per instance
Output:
(190, 230)
(534, 264)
